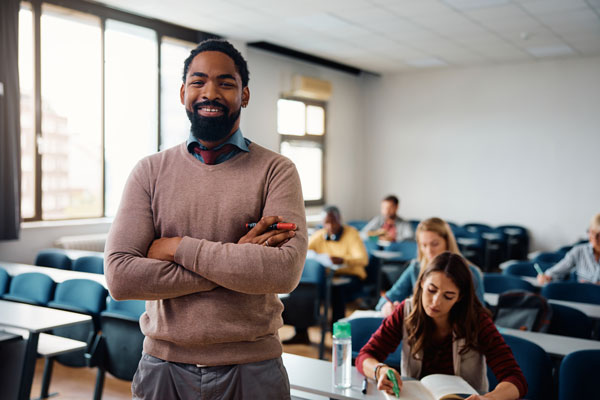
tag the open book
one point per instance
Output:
(435, 387)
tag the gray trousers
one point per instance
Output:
(156, 379)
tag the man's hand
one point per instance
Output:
(337, 260)
(261, 235)
(164, 248)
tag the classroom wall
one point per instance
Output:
(270, 77)
(498, 144)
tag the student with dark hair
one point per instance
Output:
(444, 329)
(346, 250)
(388, 225)
(180, 242)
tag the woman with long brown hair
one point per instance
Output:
(444, 329)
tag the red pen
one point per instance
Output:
(280, 225)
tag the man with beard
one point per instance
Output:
(180, 242)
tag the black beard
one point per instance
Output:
(212, 129)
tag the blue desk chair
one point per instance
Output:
(536, 366)
(361, 330)
(93, 264)
(517, 241)
(32, 288)
(414, 223)
(357, 223)
(471, 246)
(522, 268)
(82, 296)
(568, 321)
(117, 350)
(54, 258)
(572, 291)
(408, 248)
(4, 281)
(126, 308)
(498, 283)
(548, 257)
(477, 227)
(578, 377)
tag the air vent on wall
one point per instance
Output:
(311, 88)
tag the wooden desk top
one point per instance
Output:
(37, 319)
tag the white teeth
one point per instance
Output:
(211, 109)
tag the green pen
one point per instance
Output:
(538, 269)
(392, 377)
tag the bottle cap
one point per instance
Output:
(341, 329)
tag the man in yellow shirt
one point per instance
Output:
(345, 248)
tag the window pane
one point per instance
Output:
(27, 111)
(175, 126)
(315, 120)
(308, 157)
(131, 103)
(291, 117)
(71, 145)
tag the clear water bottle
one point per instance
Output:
(342, 355)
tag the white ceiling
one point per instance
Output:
(393, 35)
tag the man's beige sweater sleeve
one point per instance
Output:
(129, 274)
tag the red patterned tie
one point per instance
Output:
(210, 156)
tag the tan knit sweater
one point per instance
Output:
(217, 304)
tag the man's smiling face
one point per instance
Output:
(213, 96)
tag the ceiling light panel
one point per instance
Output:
(472, 4)
(540, 7)
(550, 51)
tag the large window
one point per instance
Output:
(94, 100)
(301, 125)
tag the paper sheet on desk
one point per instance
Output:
(322, 259)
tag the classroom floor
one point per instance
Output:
(78, 383)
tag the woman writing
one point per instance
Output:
(444, 329)
(434, 236)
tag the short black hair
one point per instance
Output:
(224, 47)
(392, 199)
(331, 209)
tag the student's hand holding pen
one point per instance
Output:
(269, 231)
(385, 383)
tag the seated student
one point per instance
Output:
(444, 329)
(584, 259)
(434, 236)
(388, 226)
(345, 248)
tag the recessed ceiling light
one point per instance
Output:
(470, 4)
(425, 62)
(550, 51)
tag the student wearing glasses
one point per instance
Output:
(444, 329)
(583, 259)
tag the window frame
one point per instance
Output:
(310, 138)
(161, 29)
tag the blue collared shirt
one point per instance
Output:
(237, 139)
